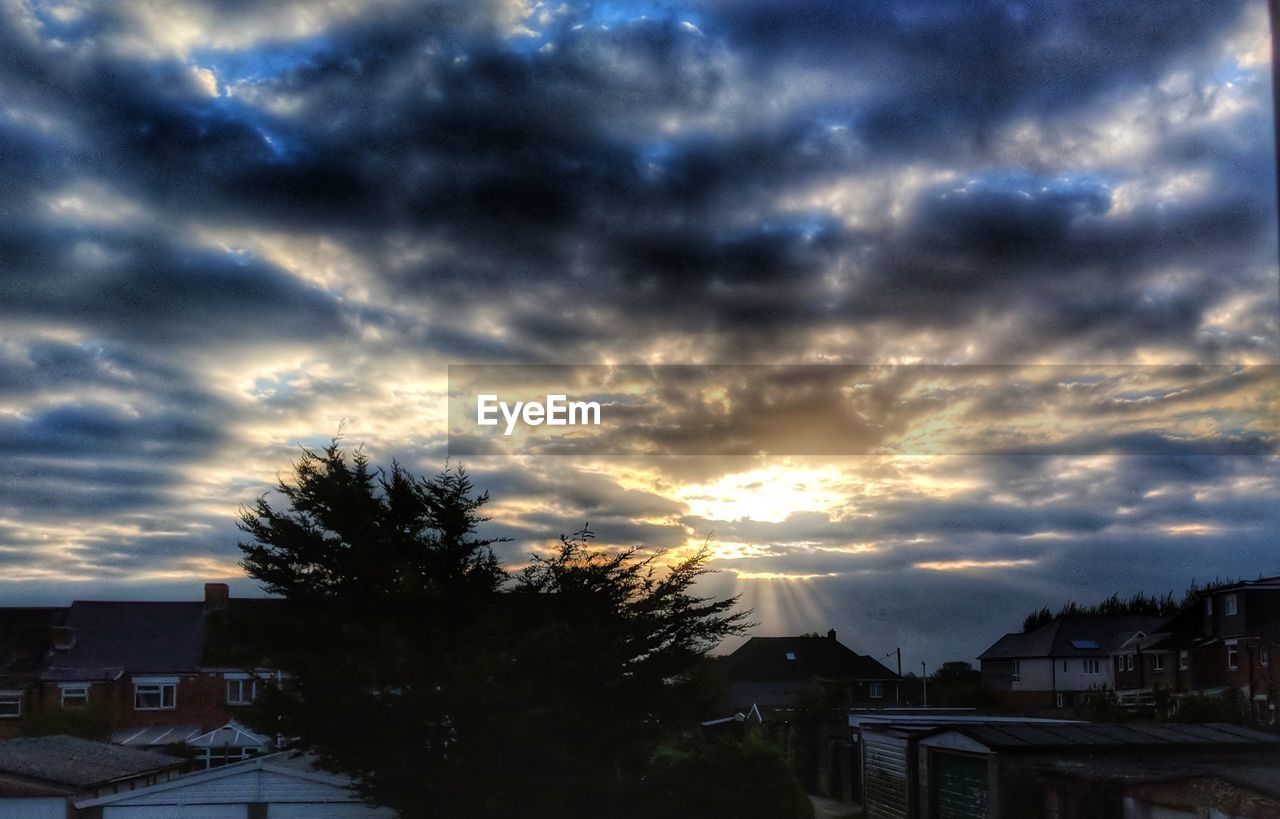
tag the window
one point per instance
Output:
(1157, 662)
(791, 655)
(1092, 667)
(1231, 607)
(241, 689)
(1061, 701)
(1128, 662)
(155, 693)
(876, 691)
(1208, 607)
(1016, 669)
(1184, 661)
(217, 757)
(10, 704)
(74, 695)
(1233, 656)
(1264, 656)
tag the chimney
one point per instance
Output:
(831, 635)
(216, 596)
(63, 637)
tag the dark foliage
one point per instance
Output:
(1139, 603)
(447, 686)
(748, 780)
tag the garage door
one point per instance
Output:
(171, 811)
(35, 807)
(959, 785)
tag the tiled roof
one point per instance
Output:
(79, 763)
(1074, 635)
(762, 659)
(129, 636)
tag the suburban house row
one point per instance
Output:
(1220, 645)
(154, 674)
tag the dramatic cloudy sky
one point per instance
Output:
(227, 227)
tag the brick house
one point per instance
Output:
(1222, 644)
(24, 643)
(1061, 662)
(125, 666)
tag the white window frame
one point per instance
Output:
(156, 685)
(13, 698)
(1184, 660)
(875, 690)
(75, 695)
(241, 682)
(1230, 605)
(1128, 662)
(1015, 670)
(1092, 666)
(1233, 656)
(1208, 605)
(1264, 656)
(1157, 662)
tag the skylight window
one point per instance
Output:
(1085, 644)
(791, 655)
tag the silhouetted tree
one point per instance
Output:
(448, 687)
(1139, 603)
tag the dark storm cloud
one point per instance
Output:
(544, 160)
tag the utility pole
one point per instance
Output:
(924, 678)
(897, 687)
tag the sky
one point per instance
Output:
(231, 230)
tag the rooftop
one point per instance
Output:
(1074, 635)
(1045, 736)
(78, 763)
(779, 659)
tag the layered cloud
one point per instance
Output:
(233, 229)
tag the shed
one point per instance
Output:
(1000, 770)
(278, 786)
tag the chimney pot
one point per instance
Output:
(216, 595)
(831, 635)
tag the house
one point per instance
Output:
(144, 670)
(1059, 663)
(1222, 644)
(278, 786)
(774, 671)
(40, 776)
(25, 638)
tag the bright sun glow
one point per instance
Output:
(769, 494)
